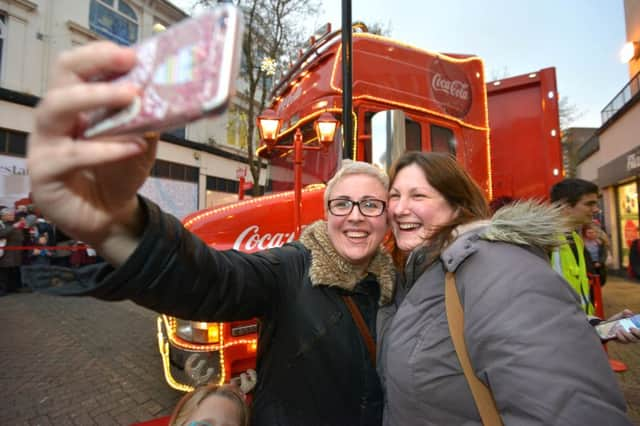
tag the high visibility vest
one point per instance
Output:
(564, 262)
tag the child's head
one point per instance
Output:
(42, 239)
(591, 231)
(211, 405)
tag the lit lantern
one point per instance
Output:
(325, 127)
(268, 126)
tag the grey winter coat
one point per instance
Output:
(526, 336)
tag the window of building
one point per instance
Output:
(114, 20)
(3, 34)
(174, 171)
(627, 219)
(180, 132)
(13, 143)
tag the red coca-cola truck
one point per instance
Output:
(505, 133)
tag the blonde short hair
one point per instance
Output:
(350, 168)
(188, 404)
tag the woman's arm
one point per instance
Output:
(174, 272)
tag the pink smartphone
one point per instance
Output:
(186, 72)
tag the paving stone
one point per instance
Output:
(71, 361)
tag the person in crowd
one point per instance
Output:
(633, 270)
(44, 227)
(10, 260)
(315, 365)
(211, 405)
(81, 254)
(526, 336)
(40, 255)
(579, 200)
(597, 249)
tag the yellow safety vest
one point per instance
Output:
(564, 262)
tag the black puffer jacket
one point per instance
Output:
(313, 366)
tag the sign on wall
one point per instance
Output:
(14, 180)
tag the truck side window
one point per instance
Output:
(443, 140)
(413, 135)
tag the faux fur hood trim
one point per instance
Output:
(330, 269)
(531, 223)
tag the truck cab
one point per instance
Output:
(404, 98)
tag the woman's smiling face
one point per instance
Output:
(416, 209)
(356, 237)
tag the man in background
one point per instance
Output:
(579, 199)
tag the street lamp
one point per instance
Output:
(268, 126)
(325, 127)
(269, 123)
(241, 174)
(630, 50)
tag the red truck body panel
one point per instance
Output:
(526, 154)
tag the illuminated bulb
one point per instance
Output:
(629, 51)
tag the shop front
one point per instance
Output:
(621, 179)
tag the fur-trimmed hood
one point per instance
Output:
(331, 269)
(526, 223)
(531, 223)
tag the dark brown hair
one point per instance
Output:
(448, 177)
(188, 403)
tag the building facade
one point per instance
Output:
(197, 166)
(612, 157)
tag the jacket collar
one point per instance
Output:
(330, 269)
(532, 224)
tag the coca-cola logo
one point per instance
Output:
(251, 240)
(450, 88)
(455, 88)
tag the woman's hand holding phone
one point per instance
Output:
(623, 327)
(88, 188)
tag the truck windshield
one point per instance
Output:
(317, 166)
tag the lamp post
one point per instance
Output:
(241, 174)
(269, 123)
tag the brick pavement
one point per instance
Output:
(70, 361)
(619, 294)
(67, 361)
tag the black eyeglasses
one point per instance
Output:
(370, 207)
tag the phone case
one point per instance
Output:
(607, 330)
(186, 72)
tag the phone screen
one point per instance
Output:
(607, 330)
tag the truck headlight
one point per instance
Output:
(198, 332)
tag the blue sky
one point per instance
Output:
(581, 38)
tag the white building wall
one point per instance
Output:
(39, 30)
(620, 137)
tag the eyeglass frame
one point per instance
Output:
(357, 203)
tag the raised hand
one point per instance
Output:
(88, 187)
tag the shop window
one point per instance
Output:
(627, 219)
(114, 20)
(175, 171)
(443, 140)
(180, 132)
(13, 143)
